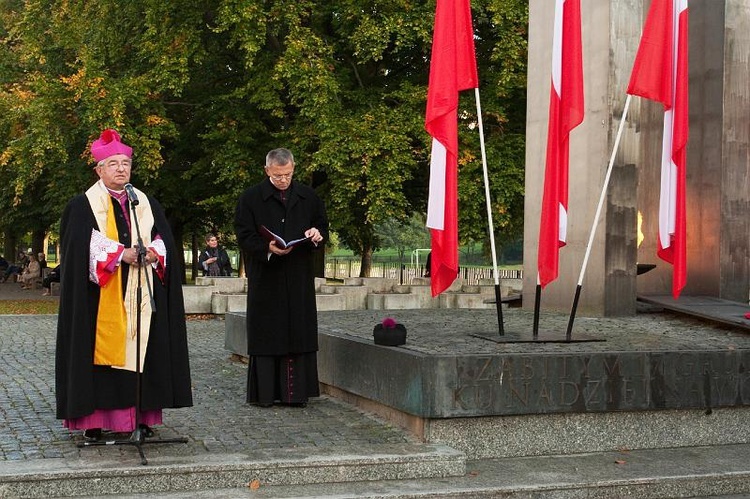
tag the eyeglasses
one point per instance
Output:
(126, 164)
(277, 178)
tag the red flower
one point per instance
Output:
(389, 323)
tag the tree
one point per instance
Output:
(404, 235)
(348, 83)
(202, 92)
(501, 43)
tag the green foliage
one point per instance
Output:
(404, 235)
(202, 90)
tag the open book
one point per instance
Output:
(270, 236)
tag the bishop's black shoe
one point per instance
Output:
(146, 430)
(92, 434)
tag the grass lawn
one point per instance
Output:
(28, 307)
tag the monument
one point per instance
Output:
(655, 380)
(718, 157)
(481, 397)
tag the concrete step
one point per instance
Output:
(191, 474)
(716, 471)
(326, 302)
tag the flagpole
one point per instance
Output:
(498, 298)
(569, 332)
(537, 307)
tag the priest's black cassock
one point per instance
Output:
(282, 321)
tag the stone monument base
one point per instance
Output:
(650, 381)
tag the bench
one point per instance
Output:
(37, 284)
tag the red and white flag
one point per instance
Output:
(453, 68)
(565, 113)
(660, 73)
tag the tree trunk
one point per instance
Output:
(37, 241)
(365, 262)
(10, 246)
(196, 253)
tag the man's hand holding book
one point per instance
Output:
(279, 246)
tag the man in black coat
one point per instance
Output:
(97, 353)
(282, 320)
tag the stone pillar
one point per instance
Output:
(718, 160)
(610, 32)
(718, 179)
(734, 258)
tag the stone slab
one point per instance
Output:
(218, 303)
(60, 478)
(509, 384)
(223, 284)
(721, 472)
(355, 296)
(326, 302)
(552, 434)
(197, 299)
(705, 307)
(473, 300)
(237, 303)
(445, 371)
(393, 301)
(528, 382)
(235, 333)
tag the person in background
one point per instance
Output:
(16, 269)
(10, 272)
(42, 261)
(282, 320)
(214, 260)
(23, 259)
(97, 327)
(32, 272)
(52, 276)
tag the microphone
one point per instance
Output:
(132, 196)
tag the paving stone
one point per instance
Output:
(219, 422)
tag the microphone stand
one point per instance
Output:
(138, 436)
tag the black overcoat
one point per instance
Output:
(281, 311)
(82, 387)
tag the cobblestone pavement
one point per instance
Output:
(219, 423)
(13, 291)
(222, 423)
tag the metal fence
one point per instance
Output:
(342, 268)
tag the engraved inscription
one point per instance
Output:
(517, 384)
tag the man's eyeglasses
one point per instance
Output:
(277, 178)
(114, 164)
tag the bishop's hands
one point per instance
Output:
(130, 256)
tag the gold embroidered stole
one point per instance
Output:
(101, 204)
(111, 319)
